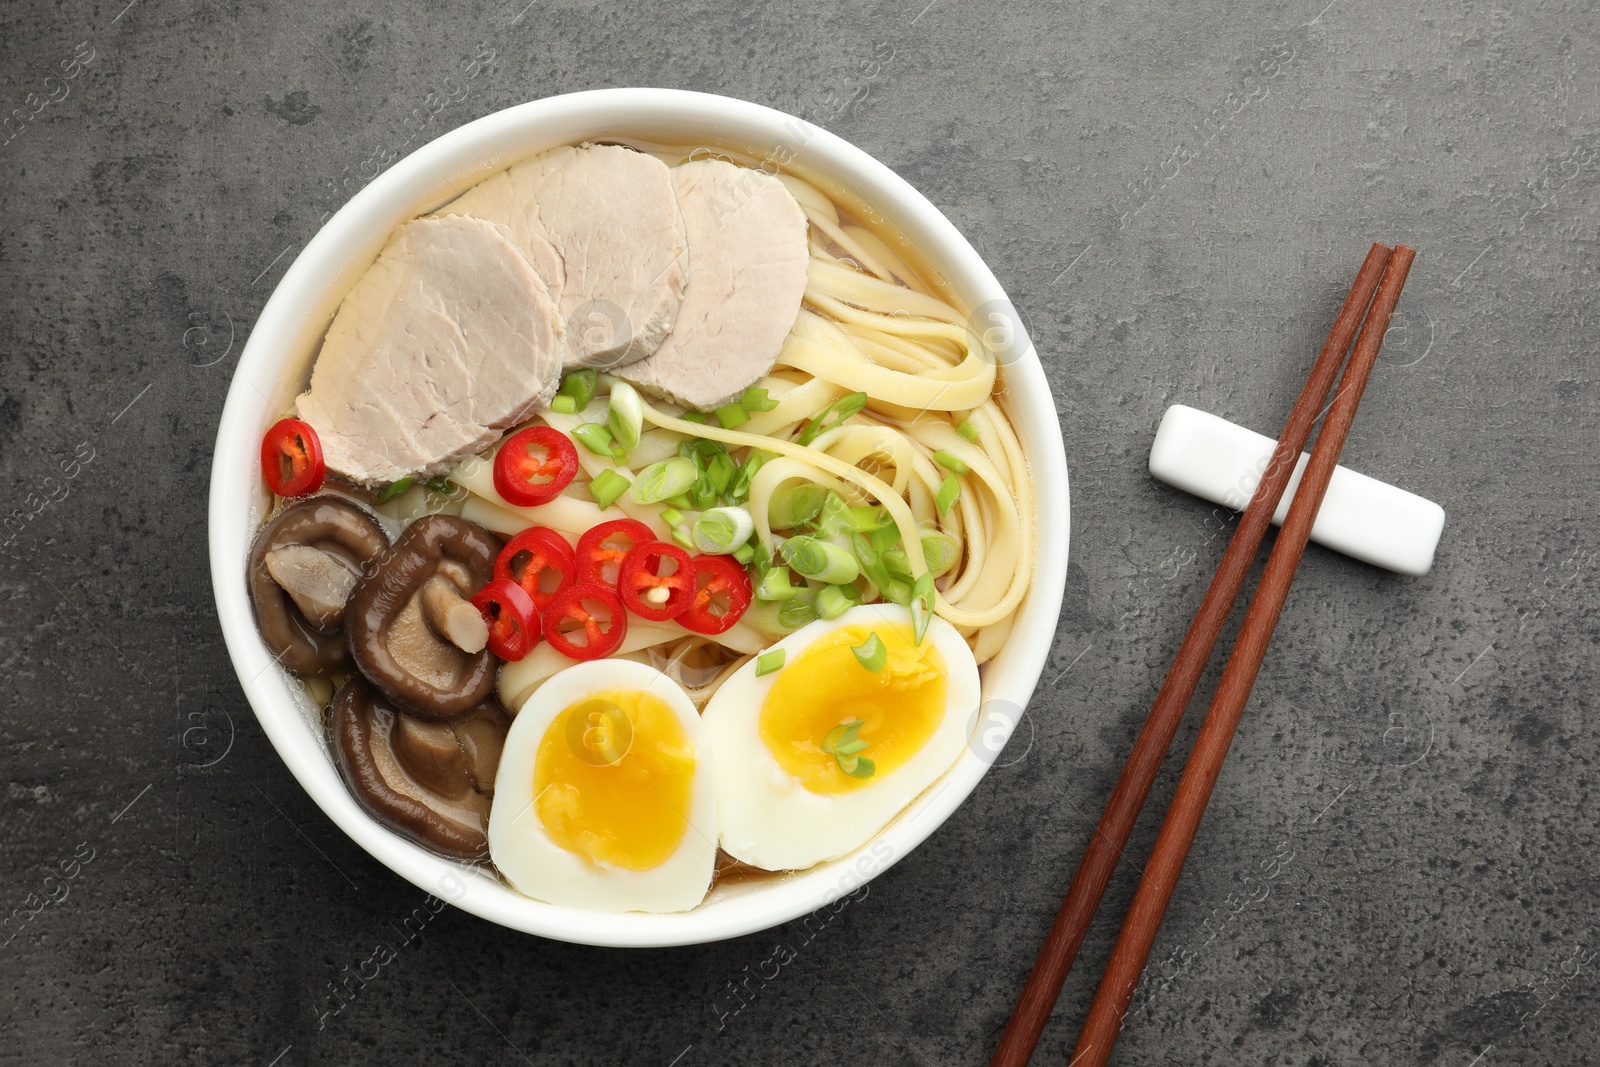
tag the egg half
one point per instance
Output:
(813, 759)
(604, 798)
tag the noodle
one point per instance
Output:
(869, 326)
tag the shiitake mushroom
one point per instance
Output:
(303, 566)
(432, 782)
(413, 632)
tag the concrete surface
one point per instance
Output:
(1399, 864)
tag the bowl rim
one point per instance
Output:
(333, 253)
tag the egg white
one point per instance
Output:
(767, 817)
(538, 867)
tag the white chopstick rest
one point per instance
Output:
(1362, 517)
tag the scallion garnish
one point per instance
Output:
(441, 485)
(625, 420)
(795, 504)
(731, 415)
(967, 430)
(797, 610)
(768, 662)
(831, 416)
(606, 487)
(756, 400)
(871, 653)
(721, 530)
(774, 585)
(579, 385)
(564, 405)
(664, 480)
(834, 600)
(844, 744)
(744, 554)
(695, 416)
(394, 489)
(922, 600)
(595, 437)
(939, 552)
(822, 560)
(949, 491)
(951, 463)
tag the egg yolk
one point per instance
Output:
(612, 779)
(826, 687)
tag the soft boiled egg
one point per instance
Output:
(814, 758)
(604, 796)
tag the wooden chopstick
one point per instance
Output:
(1122, 810)
(1238, 677)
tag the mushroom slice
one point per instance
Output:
(407, 634)
(420, 779)
(304, 564)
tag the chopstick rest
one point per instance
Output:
(1363, 518)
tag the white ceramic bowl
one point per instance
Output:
(272, 369)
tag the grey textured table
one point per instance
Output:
(1399, 864)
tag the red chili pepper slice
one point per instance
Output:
(512, 617)
(601, 548)
(534, 466)
(592, 612)
(291, 458)
(722, 593)
(649, 593)
(540, 561)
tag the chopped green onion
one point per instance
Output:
(606, 487)
(885, 538)
(840, 410)
(731, 415)
(795, 504)
(897, 591)
(768, 662)
(579, 385)
(774, 585)
(595, 437)
(664, 480)
(949, 491)
(845, 739)
(756, 400)
(739, 489)
(744, 554)
(835, 600)
(721, 530)
(871, 561)
(844, 744)
(897, 563)
(682, 500)
(441, 485)
(797, 610)
(939, 552)
(922, 600)
(871, 653)
(681, 538)
(625, 420)
(564, 405)
(822, 560)
(671, 516)
(967, 430)
(951, 463)
(394, 489)
(720, 471)
(695, 416)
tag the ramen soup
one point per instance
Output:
(647, 512)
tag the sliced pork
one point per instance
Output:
(601, 225)
(747, 258)
(447, 340)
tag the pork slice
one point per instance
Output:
(748, 259)
(449, 338)
(601, 225)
